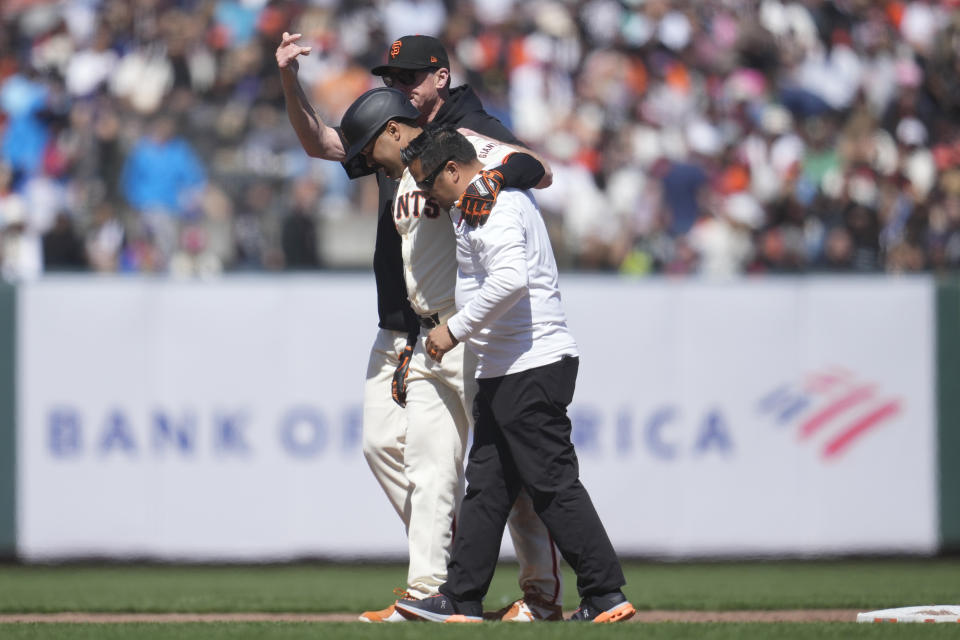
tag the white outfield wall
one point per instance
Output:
(221, 421)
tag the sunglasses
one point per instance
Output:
(427, 183)
(404, 77)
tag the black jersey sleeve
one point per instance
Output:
(521, 171)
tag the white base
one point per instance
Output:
(926, 613)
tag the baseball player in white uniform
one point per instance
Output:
(421, 466)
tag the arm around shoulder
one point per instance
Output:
(544, 180)
(521, 170)
(547, 178)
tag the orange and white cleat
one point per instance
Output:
(390, 614)
(530, 608)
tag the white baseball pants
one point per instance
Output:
(416, 454)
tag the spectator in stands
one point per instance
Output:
(20, 251)
(63, 249)
(162, 180)
(299, 232)
(839, 117)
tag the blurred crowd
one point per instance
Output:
(715, 137)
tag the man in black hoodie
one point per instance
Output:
(417, 66)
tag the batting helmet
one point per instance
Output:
(369, 113)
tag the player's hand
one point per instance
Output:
(288, 51)
(439, 341)
(398, 388)
(478, 198)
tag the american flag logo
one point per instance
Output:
(832, 408)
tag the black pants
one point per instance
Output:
(522, 439)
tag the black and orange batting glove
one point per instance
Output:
(518, 171)
(398, 388)
(478, 199)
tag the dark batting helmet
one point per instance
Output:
(369, 113)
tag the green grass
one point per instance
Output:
(328, 588)
(559, 631)
(321, 588)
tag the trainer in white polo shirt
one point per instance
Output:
(509, 313)
(507, 292)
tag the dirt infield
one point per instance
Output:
(797, 615)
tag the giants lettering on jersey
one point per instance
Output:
(485, 149)
(413, 202)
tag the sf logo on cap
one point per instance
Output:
(395, 49)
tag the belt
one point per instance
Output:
(429, 322)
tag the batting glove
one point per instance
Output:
(398, 388)
(478, 199)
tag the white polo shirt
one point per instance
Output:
(508, 298)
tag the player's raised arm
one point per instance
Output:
(317, 139)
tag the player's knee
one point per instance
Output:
(443, 473)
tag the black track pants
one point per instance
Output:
(522, 439)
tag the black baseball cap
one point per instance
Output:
(414, 52)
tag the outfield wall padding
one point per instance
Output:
(948, 405)
(222, 420)
(8, 410)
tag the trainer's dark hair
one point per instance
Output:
(437, 144)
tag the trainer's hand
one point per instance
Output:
(398, 388)
(439, 341)
(478, 198)
(288, 51)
